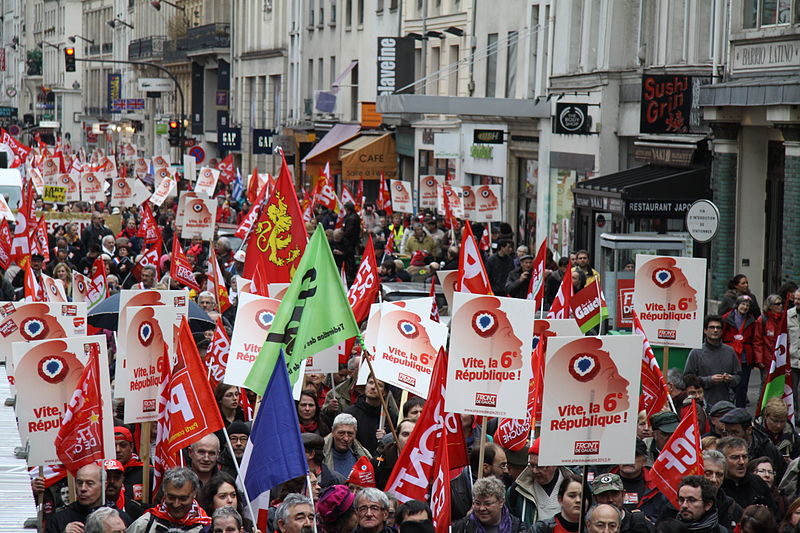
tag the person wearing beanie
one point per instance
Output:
(133, 466)
(336, 511)
(238, 433)
(534, 494)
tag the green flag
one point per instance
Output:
(314, 315)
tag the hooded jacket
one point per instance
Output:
(521, 498)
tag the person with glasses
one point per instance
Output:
(178, 508)
(715, 363)
(714, 466)
(489, 513)
(768, 328)
(372, 508)
(534, 494)
(603, 518)
(739, 423)
(774, 422)
(203, 455)
(494, 464)
(696, 505)
(744, 488)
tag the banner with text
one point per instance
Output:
(254, 316)
(20, 321)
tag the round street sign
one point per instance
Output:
(702, 220)
(198, 153)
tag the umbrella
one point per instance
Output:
(105, 315)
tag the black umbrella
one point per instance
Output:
(105, 315)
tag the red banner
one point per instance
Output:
(365, 287)
(624, 317)
(680, 457)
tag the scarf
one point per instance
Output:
(709, 522)
(503, 527)
(738, 338)
(133, 461)
(565, 524)
(310, 427)
(196, 515)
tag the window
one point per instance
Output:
(511, 64)
(333, 13)
(321, 74)
(360, 12)
(311, 13)
(491, 65)
(354, 93)
(275, 81)
(310, 80)
(452, 81)
(758, 13)
(392, 5)
(332, 64)
(321, 12)
(348, 13)
(379, 9)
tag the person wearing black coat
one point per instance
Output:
(519, 279)
(367, 411)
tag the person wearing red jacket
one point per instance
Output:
(740, 332)
(768, 331)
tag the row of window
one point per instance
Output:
(764, 13)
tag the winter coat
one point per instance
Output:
(743, 340)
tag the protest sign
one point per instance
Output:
(590, 402)
(5, 212)
(54, 194)
(149, 331)
(198, 219)
(127, 152)
(140, 193)
(206, 181)
(324, 362)
(490, 355)
(254, 316)
(122, 192)
(624, 318)
(408, 342)
(92, 187)
(185, 196)
(448, 279)
(588, 307)
(401, 196)
(21, 321)
(668, 296)
(49, 168)
(36, 178)
(189, 167)
(428, 190)
(141, 168)
(453, 200)
(276, 290)
(71, 184)
(46, 374)
(163, 190)
(161, 161)
(486, 203)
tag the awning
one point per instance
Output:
(368, 156)
(647, 191)
(423, 104)
(323, 152)
(761, 91)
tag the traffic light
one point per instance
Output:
(69, 59)
(174, 133)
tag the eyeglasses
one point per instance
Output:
(690, 500)
(371, 508)
(738, 458)
(606, 526)
(714, 327)
(242, 438)
(206, 453)
(502, 466)
(765, 472)
(478, 504)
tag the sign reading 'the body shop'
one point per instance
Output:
(395, 64)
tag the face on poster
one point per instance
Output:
(161, 161)
(254, 316)
(185, 196)
(92, 186)
(448, 279)
(590, 401)
(198, 219)
(490, 355)
(486, 203)
(121, 192)
(47, 374)
(401, 196)
(668, 296)
(467, 199)
(206, 181)
(407, 345)
(141, 167)
(453, 199)
(149, 331)
(135, 298)
(37, 321)
(37, 180)
(69, 182)
(163, 190)
(427, 191)
(49, 167)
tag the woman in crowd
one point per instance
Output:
(64, 273)
(227, 397)
(774, 421)
(220, 492)
(570, 497)
(489, 512)
(791, 518)
(335, 510)
(769, 327)
(309, 415)
(757, 519)
(738, 286)
(764, 468)
(739, 330)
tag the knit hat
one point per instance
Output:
(362, 473)
(334, 501)
(121, 432)
(238, 427)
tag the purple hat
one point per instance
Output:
(334, 502)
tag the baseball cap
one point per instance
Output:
(606, 483)
(112, 464)
(333, 502)
(239, 256)
(665, 421)
(121, 432)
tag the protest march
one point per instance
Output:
(218, 349)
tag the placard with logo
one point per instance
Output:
(35, 321)
(92, 187)
(254, 316)
(198, 218)
(401, 196)
(428, 186)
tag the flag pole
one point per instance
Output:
(403, 400)
(584, 483)
(482, 451)
(380, 392)
(239, 475)
(311, 496)
(599, 306)
(41, 503)
(144, 450)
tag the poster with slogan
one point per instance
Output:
(162, 191)
(254, 316)
(448, 279)
(428, 191)
(47, 374)
(185, 196)
(485, 205)
(149, 331)
(198, 218)
(489, 368)
(20, 321)
(207, 181)
(70, 183)
(668, 295)
(401, 196)
(591, 399)
(407, 343)
(92, 187)
(122, 192)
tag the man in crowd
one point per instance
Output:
(342, 449)
(372, 507)
(384, 462)
(582, 264)
(715, 363)
(739, 423)
(367, 411)
(419, 240)
(295, 514)
(714, 467)
(664, 425)
(89, 497)
(696, 501)
(104, 520)
(132, 465)
(746, 489)
(534, 495)
(179, 507)
(203, 455)
(227, 520)
(608, 488)
(720, 409)
(603, 517)
(793, 324)
(519, 279)
(116, 496)
(499, 265)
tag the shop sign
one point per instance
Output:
(480, 151)
(395, 64)
(666, 104)
(759, 57)
(702, 220)
(446, 145)
(572, 119)
(262, 141)
(488, 136)
(285, 143)
(657, 208)
(672, 155)
(113, 89)
(598, 203)
(230, 139)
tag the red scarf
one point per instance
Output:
(310, 427)
(196, 515)
(738, 339)
(133, 461)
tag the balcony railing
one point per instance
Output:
(217, 35)
(146, 48)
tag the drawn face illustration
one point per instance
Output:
(491, 332)
(661, 279)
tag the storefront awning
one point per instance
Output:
(761, 91)
(368, 156)
(646, 191)
(323, 152)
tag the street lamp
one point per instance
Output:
(113, 22)
(72, 38)
(157, 5)
(51, 45)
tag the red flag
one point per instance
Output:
(24, 224)
(80, 437)
(324, 193)
(450, 220)
(244, 403)
(98, 288)
(216, 282)
(163, 458)
(434, 306)
(563, 301)
(536, 287)
(190, 411)
(655, 394)
(680, 457)
(5, 245)
(308, 209)
(359, 200)
(180, 269)
(253, 187)
(20, 150)
(347, 196)
(148, 228)
(513, 433)
(484, 245)
(422, 469)
(252, 215)
(149, 257)
(365, 287)
(39, 244)
(279, 237)
(226, 171)
(33, 290)
(389, 249)
(217, 354)
(384, 197)
(472, 275)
